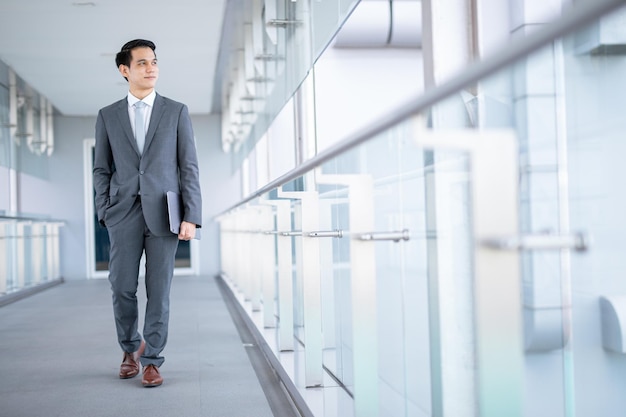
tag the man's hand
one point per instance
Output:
(187, 231)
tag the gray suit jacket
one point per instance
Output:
(169, 163)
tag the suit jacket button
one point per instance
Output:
(141, 172)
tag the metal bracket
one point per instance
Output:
(292, 233)
(269, 57)
(395, 236)
(259, 79)
(331, 233)
(282, 23)
(541, 241)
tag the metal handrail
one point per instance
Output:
(32, 219)
(576, 18)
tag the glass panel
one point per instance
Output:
(595, 90)
(10, 243)
(29, 159)
(401, 173)
(565, 104)
(5, 140)
(28, 253)
(327, 17)
(335, 284)
(298, 278)
(288, 55)
(528, 97)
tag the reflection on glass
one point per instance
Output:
(565, 105)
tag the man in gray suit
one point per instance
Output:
(144, 148)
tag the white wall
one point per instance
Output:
(221, 187)
(354, 87)
(61, 196)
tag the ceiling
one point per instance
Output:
(65, 49)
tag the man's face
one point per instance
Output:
(143, 71)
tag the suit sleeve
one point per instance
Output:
(102, 168)
(188, 170)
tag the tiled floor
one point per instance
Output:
(59, 357)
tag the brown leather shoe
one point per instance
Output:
(130, 363)
(151, 376)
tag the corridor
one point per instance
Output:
(59, 357)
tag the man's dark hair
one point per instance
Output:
(124, 56)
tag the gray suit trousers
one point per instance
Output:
(129, 239)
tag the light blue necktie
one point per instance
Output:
(140, 128)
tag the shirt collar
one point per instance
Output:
(149, 99)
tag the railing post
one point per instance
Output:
(285, 281)
(310, 270)
(267, 265)
(363, 291)
(255, 257)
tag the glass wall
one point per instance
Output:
(276, 51)
(30, 136)
(400, 302)
(29, 252)
(5, 141)
(593, 92)
(368, 298)
(29, 242)
(26, 134)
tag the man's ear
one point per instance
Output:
(123, 70)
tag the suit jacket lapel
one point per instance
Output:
(157, 111)
(122, 114)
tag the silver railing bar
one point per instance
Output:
(329, 233)
(292, 233)
(29, 219)
(540, 241)
(283, 22)
(578, 16)
(395, 236)
(249, 232)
